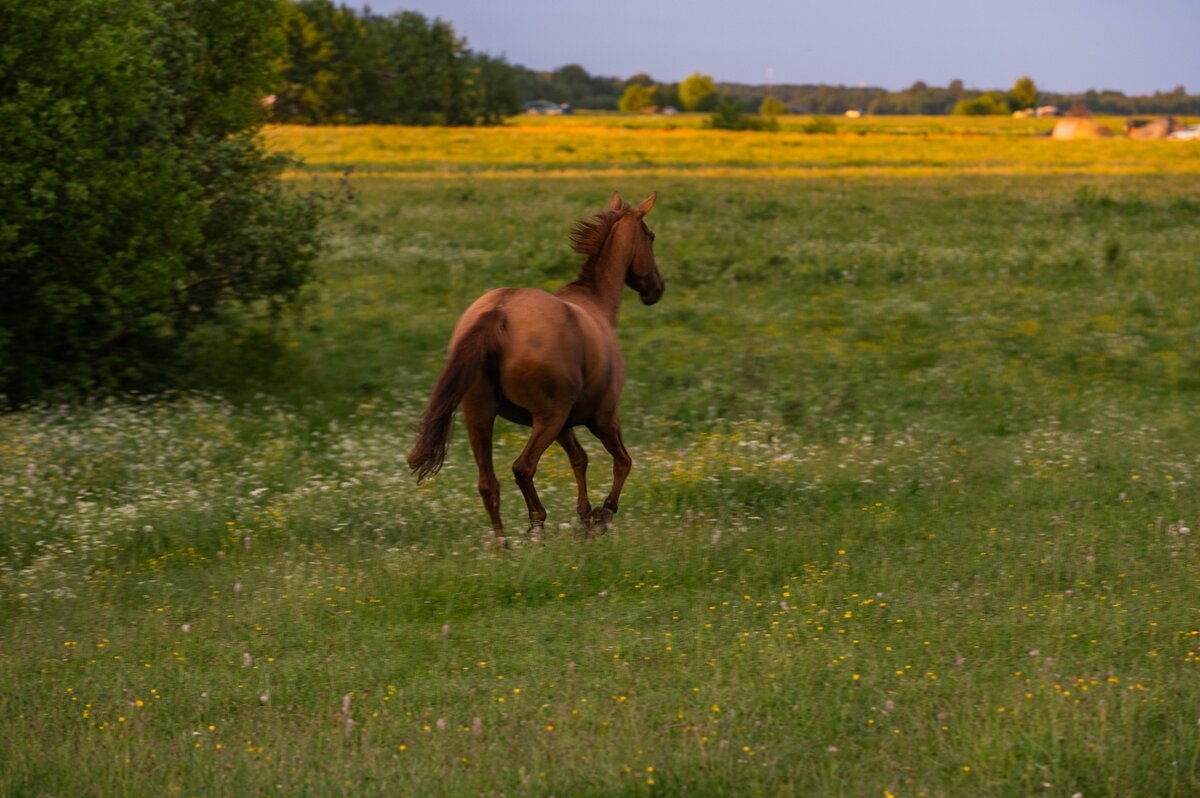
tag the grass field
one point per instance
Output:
(915, 470)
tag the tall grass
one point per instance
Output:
(911, 510)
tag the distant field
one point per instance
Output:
(912, 509)
(619, 145)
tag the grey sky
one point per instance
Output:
(1135, 46)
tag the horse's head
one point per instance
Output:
(642, 275)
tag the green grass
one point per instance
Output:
(914, 471)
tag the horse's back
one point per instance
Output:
(551, 350)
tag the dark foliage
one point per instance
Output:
(343, 66)
(136, 199)
(729, 116)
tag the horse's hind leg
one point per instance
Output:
(480, 418)
(610, 435)
(545, 430)
(579, 463)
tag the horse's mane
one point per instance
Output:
(588, 237)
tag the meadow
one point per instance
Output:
(915, 476)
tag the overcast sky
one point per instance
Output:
(1135, 46)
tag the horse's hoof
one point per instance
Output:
(597, 523)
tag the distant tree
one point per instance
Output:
(320, 74)
(574, 83)
(344, 66)
(819, 124)
(418, 74)
(635, 98)
(1024, 93)
(570, 84)
(493, 94)
(666, 94)
(772, 107)
(989, 104)
(729, 116)
(641, 79)
(695, 90)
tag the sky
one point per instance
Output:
(1134, 46)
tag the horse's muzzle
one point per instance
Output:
(652, 295)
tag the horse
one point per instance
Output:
(550, 362)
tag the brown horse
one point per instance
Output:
(547, 361)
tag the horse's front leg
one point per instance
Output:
(545, 430)
(610, 435)
(579, 464)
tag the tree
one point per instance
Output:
(695, 90)
(665, 94)
(137, 201)
(729, 116)
(493, 92)
(419, 74)
(635, 98)
(574, 84)
(1024, 93)
(990, 104)
(771, 107)
(320, 75)
(341, 66)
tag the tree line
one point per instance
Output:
(347, 66)
(344, 66)
(921, 98)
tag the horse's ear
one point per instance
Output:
(615, 203)
(645, 207)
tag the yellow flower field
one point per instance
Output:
(609, 145)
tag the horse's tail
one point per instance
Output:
(466, 362)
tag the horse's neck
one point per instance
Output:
(597, 303)
(603, 291)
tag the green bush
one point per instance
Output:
(819, 124)
(729, 116)
(635, 98)
(990, 104)
(772, 107)
(136, 198)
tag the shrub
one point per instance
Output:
(729, 116)
(819, 124)
(772, 107)
(136, 198)
(635, 98)
(990, 104)
(697, 91)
